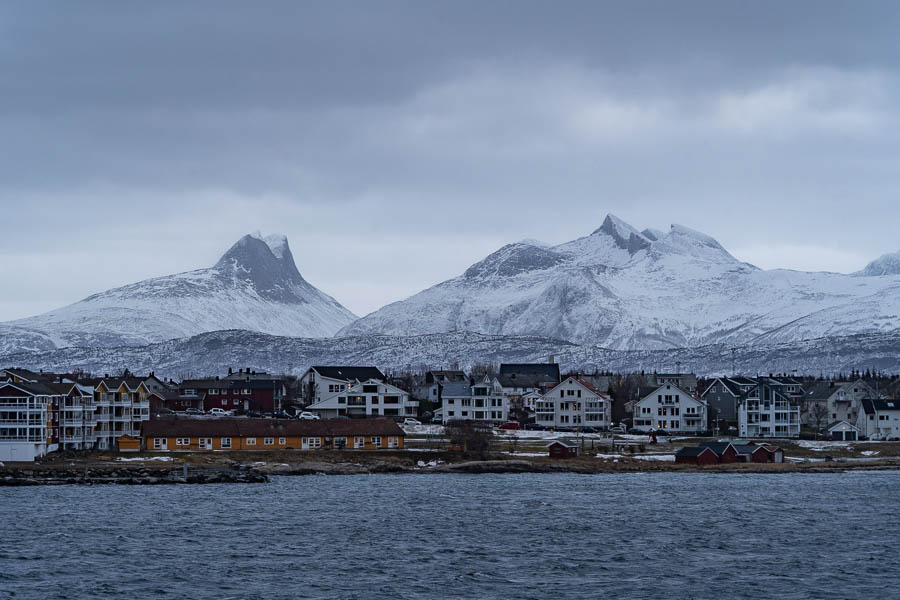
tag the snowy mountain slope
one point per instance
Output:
(255, 286)
(214, 352)
(888, 264)
(626, 289)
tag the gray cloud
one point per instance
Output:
(395, 143)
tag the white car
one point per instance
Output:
(410, 421)
(219, 412)
(308, 416)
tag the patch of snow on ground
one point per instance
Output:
(822, 444)
(527, 453)
(870, 452)
(659, 457)
(139, 459)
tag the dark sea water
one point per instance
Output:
(458, 536)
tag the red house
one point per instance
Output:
(563, 449)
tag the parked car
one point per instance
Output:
(617, 429)
(533, 427)
(308, 416)
(280, 414)
(411, 421)
(219, 412)
(193, 411)
(254, 415)
(636, 431)
(587, 430)
(511, 425)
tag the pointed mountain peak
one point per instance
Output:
(277, 243)
(625, 236)
(265, 263)
(887, 264)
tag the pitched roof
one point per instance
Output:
(694, 451)
(186, 427)
(456, 389)
(26, 374)
(872, 405)
(835, 424)
(749, 448)
(349, 373)
(717, 447)
(566, 443)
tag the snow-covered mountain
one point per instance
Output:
(627, 289)
(254, 286)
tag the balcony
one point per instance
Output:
(72, 421)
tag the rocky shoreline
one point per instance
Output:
(127, 476)
(231, 471)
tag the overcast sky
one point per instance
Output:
(396, 143)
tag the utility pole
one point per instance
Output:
(733, 352)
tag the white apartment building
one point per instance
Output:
(321, 383)
(482, 400)
(76, 418)
(573, 403)
(879, 419)
(371, 398)
(24, 431)
(767, 412)
(671, 408)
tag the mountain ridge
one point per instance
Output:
(630, 289)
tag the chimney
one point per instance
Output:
(551, 359)
(230, 370)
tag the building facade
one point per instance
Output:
(371, 398)
(670, 408)
(572, 404)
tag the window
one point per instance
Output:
(214, 392)
(268, 441)
(376, 441)
(374, 399)
(340, 443)
(312, 442)
(235, 401)
(205, 443)
(183, 442)
(251, 441)
(159, 443)
(245, 392)
(359, 442)
(282, 441)
(579, 393)
(393, 442)
(226, 443)
(342, 399)
(224, 401)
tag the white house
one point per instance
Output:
(671, 408)
(879, 419)
(571, 404)
(371, 398)
(829, 401)
(320, 383)
(768, 412)
(483, 400)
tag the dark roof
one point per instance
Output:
(204, 384)
(186, 427)
(871, 405)
(26, 374)
(35, 389)
(834, 424)
(566, 443)
(516, 371)
(694, 451)
(717, 447)
(350, 373)
(749, 448)
(114, 383)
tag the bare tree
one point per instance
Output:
(818, 414)
(469, 437)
